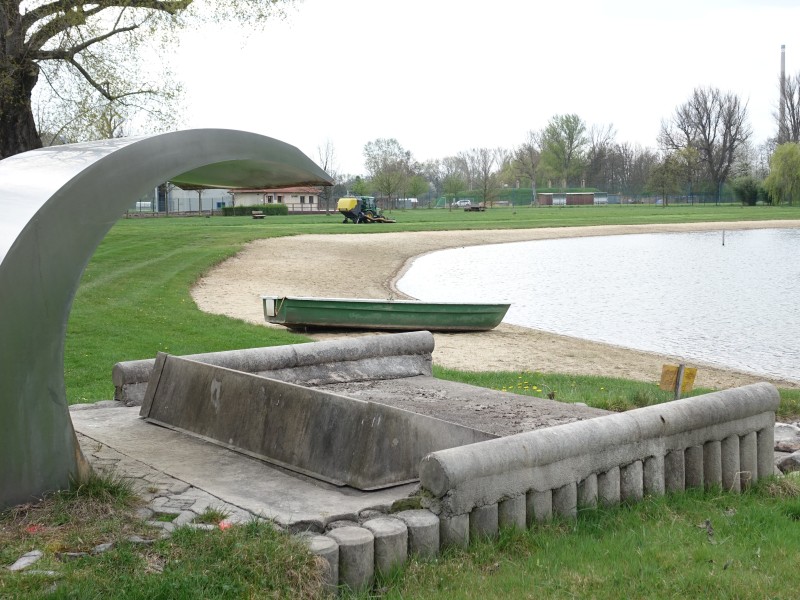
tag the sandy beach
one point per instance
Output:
(333, 266)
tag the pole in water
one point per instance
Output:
(723, 237)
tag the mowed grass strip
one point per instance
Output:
(608, 393)
(693, 545)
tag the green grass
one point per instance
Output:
(244, 561)
(134, 299)
(659, 548)
(608, 393)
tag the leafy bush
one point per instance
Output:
(748, 190)
(246, 211)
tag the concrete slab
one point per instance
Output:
(289, 499)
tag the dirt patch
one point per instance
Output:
(499, 413)
(323, 265)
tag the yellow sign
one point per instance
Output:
(669, 376)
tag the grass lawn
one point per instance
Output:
(134, 301)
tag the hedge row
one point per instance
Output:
(246, 211)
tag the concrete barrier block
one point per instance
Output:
(326, 549)
(454, 531)
(608, 490)
(693, 458)
(587, 492)
(356, 557)
(565, 501)
(423, 532)
(712, 464)
(511, 512)
(729, 458)
(484, 522)
(654, 475)
(748, 459)
(539, 507)
(675, 471)
(391, 542)
(631, 482)
(765, 444)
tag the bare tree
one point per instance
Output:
(468, 168)
(601, 142)
(526, 159)
(78, 34)
(327, 160)
(388, 164)
(485, 163)
(789, 125)
(713, 123)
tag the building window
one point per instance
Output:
(269, 199)
(280, 199)
(302, 199)
(311, 199)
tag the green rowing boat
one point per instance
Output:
(394, 315)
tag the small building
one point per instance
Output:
(571, 198)
(297, 199)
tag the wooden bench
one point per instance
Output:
(258, 214)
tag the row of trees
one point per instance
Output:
(703, 146)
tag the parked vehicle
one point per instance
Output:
(462, 203)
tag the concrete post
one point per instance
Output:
(423, 532)
(454, 531)
(631, 482)
(565, 501)
(748, 461)
(587, 492)
(608, 490)
(693, 458)
(539, 507)
(675, 471)
(484, 522)
(327, 549)
(654, 475)
(356, 557)
(712, 464)
(765, 442)
(729, 458)
(391, 542)
(511, 512)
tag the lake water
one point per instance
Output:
(735, 305)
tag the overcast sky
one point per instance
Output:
(444, 76)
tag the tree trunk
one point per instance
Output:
(17, 126)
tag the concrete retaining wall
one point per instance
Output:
(723, 439)
(350, 359)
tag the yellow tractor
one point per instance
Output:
(361, 209)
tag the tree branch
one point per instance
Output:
(62, 15)
(66, 54)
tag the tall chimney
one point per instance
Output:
(782, 137)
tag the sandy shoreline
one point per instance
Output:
(367, 265)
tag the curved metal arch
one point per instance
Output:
(56, 205)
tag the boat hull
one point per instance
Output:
(382, 315)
